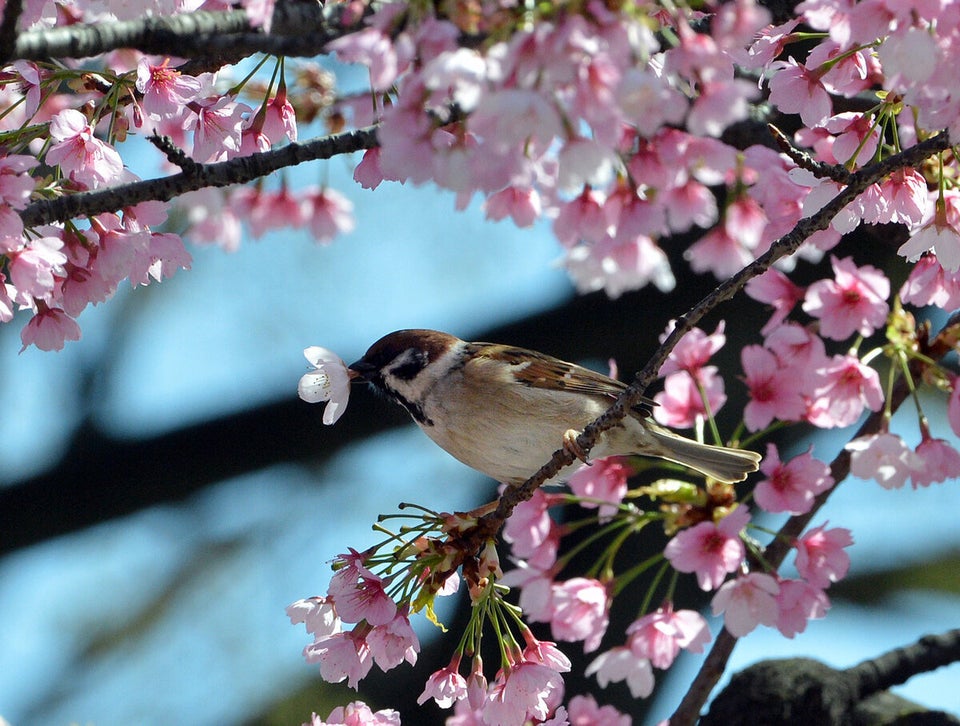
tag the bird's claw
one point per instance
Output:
(573, 448)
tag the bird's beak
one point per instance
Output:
(360, 371)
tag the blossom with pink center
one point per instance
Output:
(772, 390)
(344, 655)
(357, 713)
(791, 487)
(217, 128)
(908, 201)
(579, 611)
(602, 484)
(49, 329)
(80, 155)
(821, 559)
(939, 461)
(527, 690)
(166, 91)
(318, 614)
(366, 600)
(329, 214)
(681, 404)
(940, 234)
(846, 387)
(777, 290)
(694, 349)
(798, 602)
(855, 301)
(796, 89)
(394, 642)
(620, 664)
(802, 351)
(885, 458)
(746, 602)
(711, 550)
(329, 381)
(929, 284)
(544, 652)
(266, 210)
(767, 45)
(584, 711)
(522, 204)
(445, 686)
(660, 635)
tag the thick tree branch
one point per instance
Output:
(235, 171)
(299, 29)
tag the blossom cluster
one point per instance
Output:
(55, 271)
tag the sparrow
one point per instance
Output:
(504, 410)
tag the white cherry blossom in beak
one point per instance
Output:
(329, 381)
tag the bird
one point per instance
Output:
(504, 410)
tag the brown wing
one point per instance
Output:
(543, 371)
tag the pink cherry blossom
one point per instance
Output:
(939, 460)
(341, 656)
(772, 393)
(694, 349)
(746, 602)
(885, 458)
(318, 614)
(361, 595)
(777, 290)
(583, 218)
(659, 636)
(357, 713)
(372, 48)
(80, 155)
(33, 267)
(797, 603)
(329, 381)
(16, 184)
(280, 120)
(522, 204)
(393, 642)
(855, 301)
(821, 559)
(940, 234)
(604, 480)
(217, 128)
(710, 550)
(580, 611)
(445, 686)
(49, 329)
(620, 664)
(528, 690)
(796, 89)
(791, 487)
(929, 284)
(584, 711)
(681, 405)
(329, 214)
(846, 386)
(530, 525)
(166, 91)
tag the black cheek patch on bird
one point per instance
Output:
(414, 362)
(415, 411)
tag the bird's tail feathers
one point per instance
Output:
(718, 462)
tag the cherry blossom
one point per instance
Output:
(940, 234)
(80, 155)
(798, 602)
(821, 559)
(579, 611)
(604, 480)
(885, 458)
(710, 550)
(845, 387)
(620, 664)
(746, 602)
(938, 460)
(330, 382)
(771, 393)
(49, 329)
(855, 301)
(357, 713)
(585, 711)
(659, 636)
(792, 486)
(165, 91)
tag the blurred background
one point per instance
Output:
(164, 494)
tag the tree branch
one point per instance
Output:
(299, 29)
(235, 171)
(8, 29)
